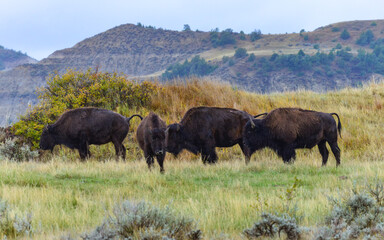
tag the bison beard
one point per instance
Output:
(151, 137)
(204, 128)
(286, 129)
(79, 128)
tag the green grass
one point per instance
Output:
(226, 198)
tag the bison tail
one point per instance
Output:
(338, 124)
(134, 115)
(261, 114)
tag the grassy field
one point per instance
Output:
(226, 198)
(65, 195)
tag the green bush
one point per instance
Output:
(242, 36)
(365, 38)
(256, 35)
(76, 89)
(240, 53)
(223, 38)
(251, 58)
(225, 59)
(345, 34)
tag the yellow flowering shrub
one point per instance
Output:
(76, 89)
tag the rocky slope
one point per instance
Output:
(10, 59)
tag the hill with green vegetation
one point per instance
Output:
(331, 57)
(224, 200)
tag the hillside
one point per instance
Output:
(146, 52)
(10, 59)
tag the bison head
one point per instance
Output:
(174, 138)
(47, 140)
(158, 141)
(255, 135)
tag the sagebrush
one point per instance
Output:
(142, 220)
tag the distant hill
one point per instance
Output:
(146, 52)
(10, 58)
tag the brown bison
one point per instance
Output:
(285, 129)
(81, 127)
(151, 137)
(204, 128)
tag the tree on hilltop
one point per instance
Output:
(187, 28)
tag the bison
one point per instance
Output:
(151, 137)
(81, 127)
(286, 129)
(204, 128)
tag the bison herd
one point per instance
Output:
(201, 130)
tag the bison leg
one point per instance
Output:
(120, 151)
(160, 161)
(288, 153)
(149, 160)
(323, 151)
(148, 154)
(246, 151)
(209, 155)
(336, 151)
(84, 152)
(84, 147)
(119, 148)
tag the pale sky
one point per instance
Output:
(40, 27)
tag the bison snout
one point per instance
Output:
(159, 152)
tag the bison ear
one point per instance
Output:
(49, 128)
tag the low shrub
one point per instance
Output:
(359, 216)
(240, 53)
(287, 221)
(271, 225)
(12, 225)
(142, 220)
(16, 151)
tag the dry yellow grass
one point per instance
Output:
(65, 195)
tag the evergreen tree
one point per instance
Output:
(345, 35)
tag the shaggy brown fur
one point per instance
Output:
(204, 128)
(286, 129)
(81, 127)
(151, 137)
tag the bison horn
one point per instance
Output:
(178, 127)
(252, 123)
